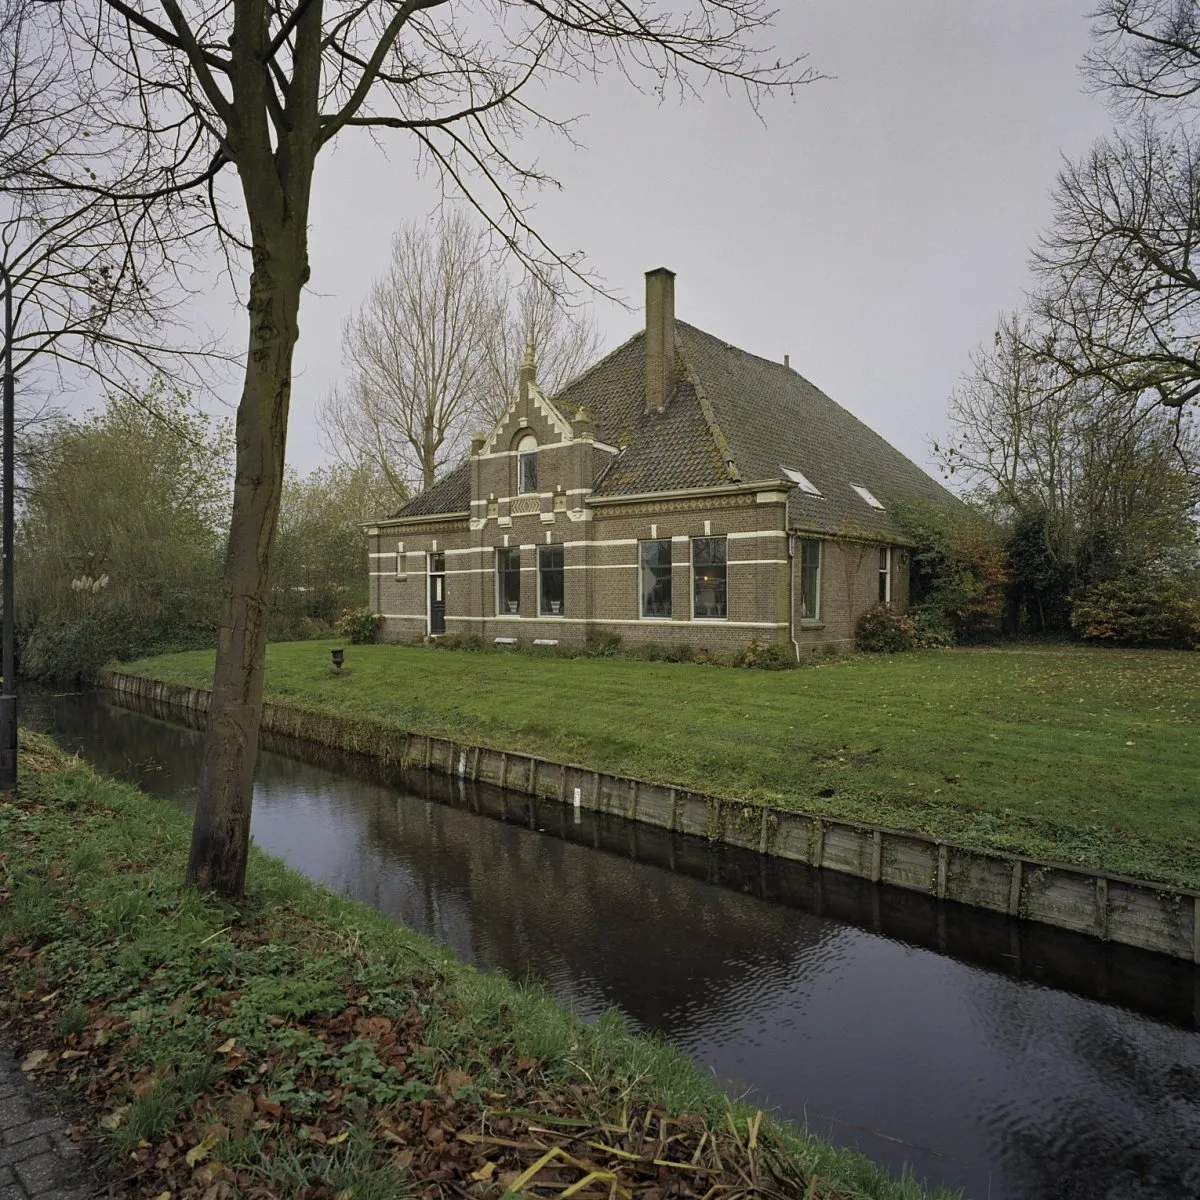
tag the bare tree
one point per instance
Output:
(1146, 51)
(1119, 296)
(94, 276)
(565, 341)
(416, 354)
(263, 87)
(1119, 293)
(1033, 441)
(432, 353)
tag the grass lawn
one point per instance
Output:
(1082, 755)
(300, 1046)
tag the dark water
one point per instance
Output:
(982, 1053)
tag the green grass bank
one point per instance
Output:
(1078, 755)
(301, 1046)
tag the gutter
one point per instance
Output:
(373, 527)
(723, 489)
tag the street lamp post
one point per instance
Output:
(8, 698)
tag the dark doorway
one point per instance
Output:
(437, 593)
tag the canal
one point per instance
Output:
(1009, 1060)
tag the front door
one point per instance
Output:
(437, 593)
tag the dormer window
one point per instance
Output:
(798, 477)
(527, 480)
(865, 495)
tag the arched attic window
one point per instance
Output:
(527, 475)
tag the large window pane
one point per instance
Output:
(885, 575)
(527, 474)
(810, 580)
(508, 581)
(708, 577)
(655, 572)
(550, 581)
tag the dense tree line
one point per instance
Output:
(122, 534)
(1075, 429)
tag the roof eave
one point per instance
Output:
(718, 489)
(391, 522)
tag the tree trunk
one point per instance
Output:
(221, 829)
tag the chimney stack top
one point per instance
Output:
(660, 337)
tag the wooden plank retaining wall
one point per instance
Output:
(1111, 907)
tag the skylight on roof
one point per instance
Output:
(806, 484)
(866, 495)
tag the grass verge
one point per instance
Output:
(1070, 753)
(301, 1046)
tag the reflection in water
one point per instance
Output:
(924, 1034)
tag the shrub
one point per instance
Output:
(714, 658)
(359, 625)
(957, 574)
(765, 656)
(1140, 608)
(657, 652)
(882, 628)
(471, 643)
(930, 628)
(602, 643)
(70, 650)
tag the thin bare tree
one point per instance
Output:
(564, 338)
(95, 278)
(1146, 52)
(432, 353)
(1119, 289)
(263, 87)
(416, 353)
(1119, 293)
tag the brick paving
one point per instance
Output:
(38, 1161)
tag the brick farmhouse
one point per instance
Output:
(679, 491)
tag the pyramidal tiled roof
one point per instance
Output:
(732, 417)
(737, 417)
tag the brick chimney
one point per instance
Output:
(660, 337)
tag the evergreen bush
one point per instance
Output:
(1141, 608)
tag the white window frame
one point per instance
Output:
(707, 537)
(866, 495)
(401, 563)
(797, 476)
(641, 590)
(563, 611)
(813, 617)
(502, 613)
(527, 447)
(885, 569)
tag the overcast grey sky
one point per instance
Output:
(873, 227)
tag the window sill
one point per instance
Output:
(811, 623)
